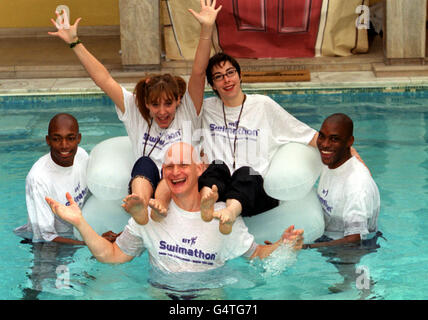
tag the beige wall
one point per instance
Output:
(37, 13)
(405, 29)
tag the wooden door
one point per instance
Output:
(269, 28)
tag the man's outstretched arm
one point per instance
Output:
(102, 249)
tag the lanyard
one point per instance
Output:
(147, 138)
(233, 150)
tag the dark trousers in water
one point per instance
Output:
(49, 265)
(244, 185)
(346, 257)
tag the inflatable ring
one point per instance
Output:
(290, 178)
(109, 171)
(109, 168)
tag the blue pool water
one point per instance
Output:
(391, 136)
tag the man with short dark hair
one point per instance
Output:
(347, 192)
(62, 169)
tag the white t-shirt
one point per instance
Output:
(182, 128)
(350, 200)
(263, 127)
(183, 242)
(47, 179)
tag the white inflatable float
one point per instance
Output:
(290, 178)
(109, 171)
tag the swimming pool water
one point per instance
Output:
(390, 135)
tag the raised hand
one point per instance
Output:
(137, 208)
(295, 237)
(71, 213)
(208, 13)
(68, 35)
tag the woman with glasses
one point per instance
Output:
(241, 133)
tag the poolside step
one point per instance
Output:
(68, 71)
(383, 70)
(276, 76)
(46, 71)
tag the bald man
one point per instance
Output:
(347, 192)
(62, 169)
(182, 241)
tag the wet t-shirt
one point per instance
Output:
(158, 140)
(183, 242)
(47, 179)
(263, 127)
(350, 200)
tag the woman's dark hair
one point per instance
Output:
(220, 59)
(151, 89)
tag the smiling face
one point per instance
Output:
(229, 86)
(63, 139)
(158, 97)
(181, 170)
(163, 110)
(334, 142)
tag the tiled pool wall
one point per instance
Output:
(32, 101)
(57, 99)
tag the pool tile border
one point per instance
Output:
(46, 97)
(365, 83)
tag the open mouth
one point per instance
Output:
(228, 88)
(326, 154)
(66, 154)
(178, 181)
(162, 121)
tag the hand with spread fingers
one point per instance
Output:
(294, 237)
(208, 13)
(69, 35)
(71, 213)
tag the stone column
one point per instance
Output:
(140, 33)
(405, 30)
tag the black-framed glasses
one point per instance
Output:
(220, 76)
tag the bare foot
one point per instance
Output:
(227, 218)
(159, 211)
(225, 228)
(209, 197)
(228, 215)
(137, 208)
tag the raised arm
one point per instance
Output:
(294, 237)
(206, 17)
(102, 249)
(96, 70)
